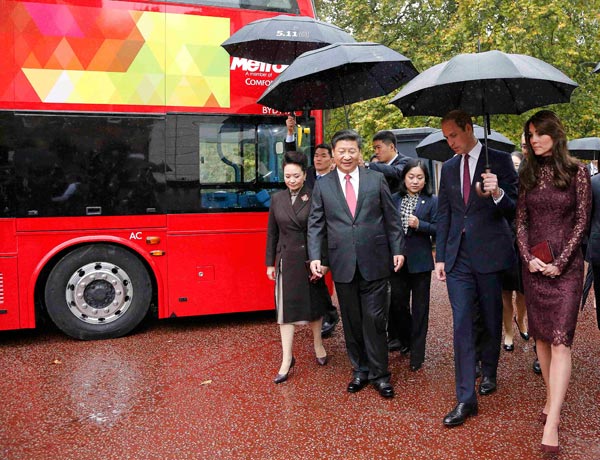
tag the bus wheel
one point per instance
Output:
(98, 291)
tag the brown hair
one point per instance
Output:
(460, 117)
(564, 165)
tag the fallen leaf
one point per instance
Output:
(57, 361)
(206, 382)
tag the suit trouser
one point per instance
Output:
(419, 285)
(596, 272)
(364, 306)
(468, 289)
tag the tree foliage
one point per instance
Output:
(564, 34)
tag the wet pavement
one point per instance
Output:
(201, 388)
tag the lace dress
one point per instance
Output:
(561, 217)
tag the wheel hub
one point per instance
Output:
(99, 292)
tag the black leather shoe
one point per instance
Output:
(415, 367)
(329, 325)
(280, 378)
(385, 389)
(460, 413)
(509, 347)
(405, 349)
(536, 366)
(356, 385)
(487, 385)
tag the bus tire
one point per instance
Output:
(99, 291)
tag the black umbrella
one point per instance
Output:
(585, 148)
(281, 39)
(486, 83)
(435, 146)
(597, 69)
(338, 75)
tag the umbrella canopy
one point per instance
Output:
(435, 146)
(597, 69)
(485, 83)
(337, 75)
(586, 148)
(282, 39)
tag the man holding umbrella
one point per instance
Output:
(473, 246)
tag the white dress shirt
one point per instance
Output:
(353, 181)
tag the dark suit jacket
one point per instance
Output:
(486, 225)
(419, 256)
(593, 247)
(392, 172)
(368, 240)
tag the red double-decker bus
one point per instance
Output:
(135, 166)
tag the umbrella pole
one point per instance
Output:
(346, 115)
(488, 169)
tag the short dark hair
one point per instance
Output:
(410, 164)
(460, 117)
(346, 135)
(326, 147)
(295, 158)
(387, 137)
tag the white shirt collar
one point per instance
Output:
(475, 151)
(392, 160)
(342, 175)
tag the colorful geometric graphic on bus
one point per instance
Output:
(87, 55)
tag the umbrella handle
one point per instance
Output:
(479, 187)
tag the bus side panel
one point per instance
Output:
(36, 248)
(9, 279)
(218, 268)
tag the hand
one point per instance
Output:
(536, 265)
(290, 123)
(271, 273)
(490, 184)
(398, 262)
(324, 269)
(316, 268)
(551, 270)
(413, 221)
(440, 272)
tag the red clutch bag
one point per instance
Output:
(543, 251)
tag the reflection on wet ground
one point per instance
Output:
(201, 388)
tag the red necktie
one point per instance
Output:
(466, 180)
(350, 195)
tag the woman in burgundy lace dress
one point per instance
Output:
(554, 205)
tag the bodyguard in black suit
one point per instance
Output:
(593, 249)
(473, 245)
(418, 212)
(353, 211)
(389, 161)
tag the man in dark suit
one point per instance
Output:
(353, 214)
(593, 249)
(387, 159)
(322, 165)
(473, 246)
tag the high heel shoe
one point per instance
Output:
(280, 378)
(524, 335)
(550, 449)
(322, 361)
